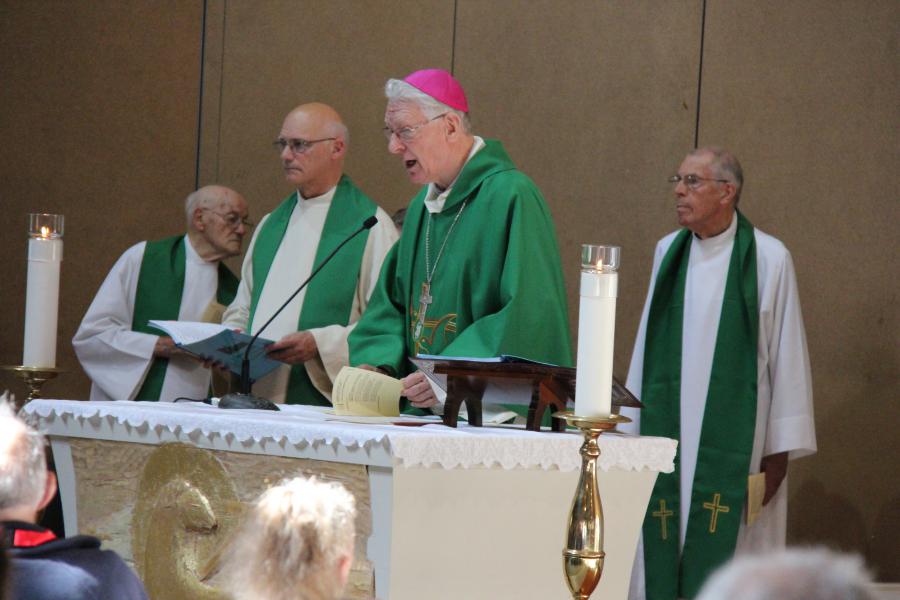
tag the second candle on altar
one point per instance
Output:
(596, 330)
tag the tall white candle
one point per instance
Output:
(45, 251)
(596, 331)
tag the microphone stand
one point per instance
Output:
(245, 399)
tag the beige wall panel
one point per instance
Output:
(278, 54)
(595, 101)
(99, 123)
(806, 94)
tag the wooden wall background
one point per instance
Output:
(112, 112)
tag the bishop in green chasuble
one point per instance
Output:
(476, 271)
(498, 288)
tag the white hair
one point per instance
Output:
(23, 463)
(398, 91)
(794, 574)
(291, 543)
(725, 165)
(338, 130)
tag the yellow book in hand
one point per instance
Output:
(756, 491)
(362, 393)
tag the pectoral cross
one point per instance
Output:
(715, 508)
(663, 515)
(424, 300)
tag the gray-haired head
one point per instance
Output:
(296, 543)
(794, 574)
(208, 196)
(23, 466)
(725, 165)
(398, 91)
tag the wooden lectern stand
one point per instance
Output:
(551, 388)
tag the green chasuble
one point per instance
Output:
(158, 297)
(329, 297)
(497, 289)
(729, 420)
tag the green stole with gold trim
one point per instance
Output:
(329, 297)
(159, 289)
(729, 421)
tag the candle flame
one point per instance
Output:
(45, 232)
(599, 264)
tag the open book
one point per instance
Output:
(497, 393)
(503, 358)
(212, 341)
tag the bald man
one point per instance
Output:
(324, 210)
(177, 278)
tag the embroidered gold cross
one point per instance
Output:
(715, 508)
(662, 514)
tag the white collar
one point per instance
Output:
(190, 253)
(316, 200)
(726, 237)
(435, 198)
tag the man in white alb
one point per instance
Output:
(177, 278)
(311, 333)
(721, 365)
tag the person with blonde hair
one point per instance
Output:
(792, 574)
(296, 544)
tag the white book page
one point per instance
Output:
(189, 332)
(362, 393)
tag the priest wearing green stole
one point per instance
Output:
(476, 271)
(177, 278)
(324, 210)
(721, 365)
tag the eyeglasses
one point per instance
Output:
(232, 219)
(297, 146)
(693, 181)
(408, 134)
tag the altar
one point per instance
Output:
(472, 512)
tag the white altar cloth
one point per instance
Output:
(471, 512)
(304, 427)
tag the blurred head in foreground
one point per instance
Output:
(26, 487)
(794, 574)
(296, 543)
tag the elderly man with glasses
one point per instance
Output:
(305, 228)
(476, 272)
(177, 278)
(721, 365)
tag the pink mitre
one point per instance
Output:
(440, 85)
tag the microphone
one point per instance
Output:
(244, 399)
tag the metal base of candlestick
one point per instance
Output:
(34, 378)
(583, 555)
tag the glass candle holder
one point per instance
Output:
(600, 258)
(46, 226)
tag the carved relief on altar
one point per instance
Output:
(170, 510)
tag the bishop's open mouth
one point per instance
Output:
(411, 163)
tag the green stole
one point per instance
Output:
(159, 289)
(729, 421)
(329, 297)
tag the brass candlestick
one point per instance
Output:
(583, 555)
(34, 378)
